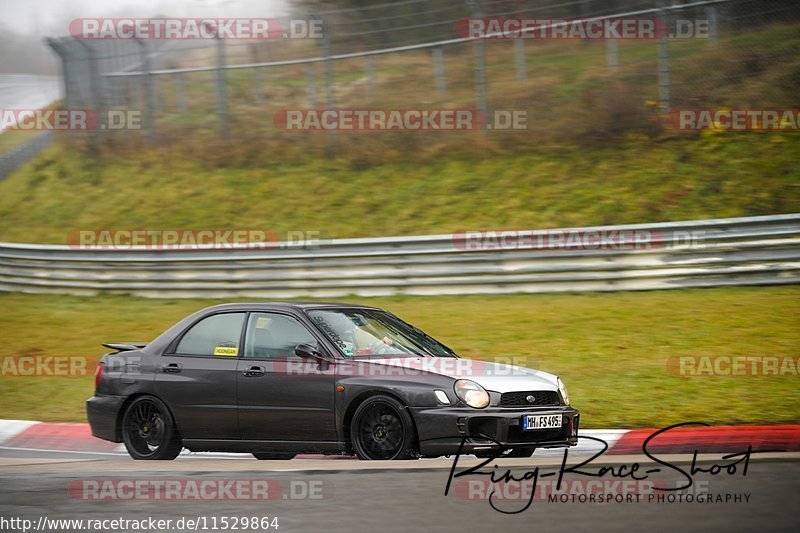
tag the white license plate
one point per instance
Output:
(541, 422)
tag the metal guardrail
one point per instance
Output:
(736, 251)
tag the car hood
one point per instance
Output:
(497, 377)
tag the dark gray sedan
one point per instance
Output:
(278, 379)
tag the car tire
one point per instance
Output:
(149, 431)
(382, 429)
(267, 456)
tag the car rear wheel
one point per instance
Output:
(382, 429)
(149, 431)
(266, 456)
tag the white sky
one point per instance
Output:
(52, 17)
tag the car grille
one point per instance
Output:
(542, 398)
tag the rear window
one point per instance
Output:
(216, 335)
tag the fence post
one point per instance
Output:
(181, 93)
(370, 69)
(258, 82)
(713, 23)
(222, 111)
(519, 56)
(328, 70)
(258, 85)
(611, 54)
(59, 49)
(311, 85)
(326, 52)
(96, 91)
(148, 98)
(480, 64)
(438, 65)
(121, 83)
(663, 63)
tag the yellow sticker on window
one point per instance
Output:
(226, 351)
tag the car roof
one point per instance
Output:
(286, 305)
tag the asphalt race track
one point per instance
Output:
(339, 494)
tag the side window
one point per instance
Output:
(216, 335)
(273, 335)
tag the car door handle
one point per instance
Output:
(254, 371)
(172, 368)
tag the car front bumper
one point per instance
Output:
(441, 430)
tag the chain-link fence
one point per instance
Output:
(411, 54)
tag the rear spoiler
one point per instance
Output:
(125, 346)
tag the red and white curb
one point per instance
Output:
(77, 438)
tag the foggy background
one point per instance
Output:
(23, 25)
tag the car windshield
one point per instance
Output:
(364, 332)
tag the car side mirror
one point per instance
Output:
(306, 351)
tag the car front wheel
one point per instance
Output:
(382, 429)
(149, 431)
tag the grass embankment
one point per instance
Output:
(611, 349)
(594, 153)
(739, 175)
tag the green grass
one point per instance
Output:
(611, 349)
(737, 175)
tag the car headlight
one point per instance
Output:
(562, 389)
(471, 393)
